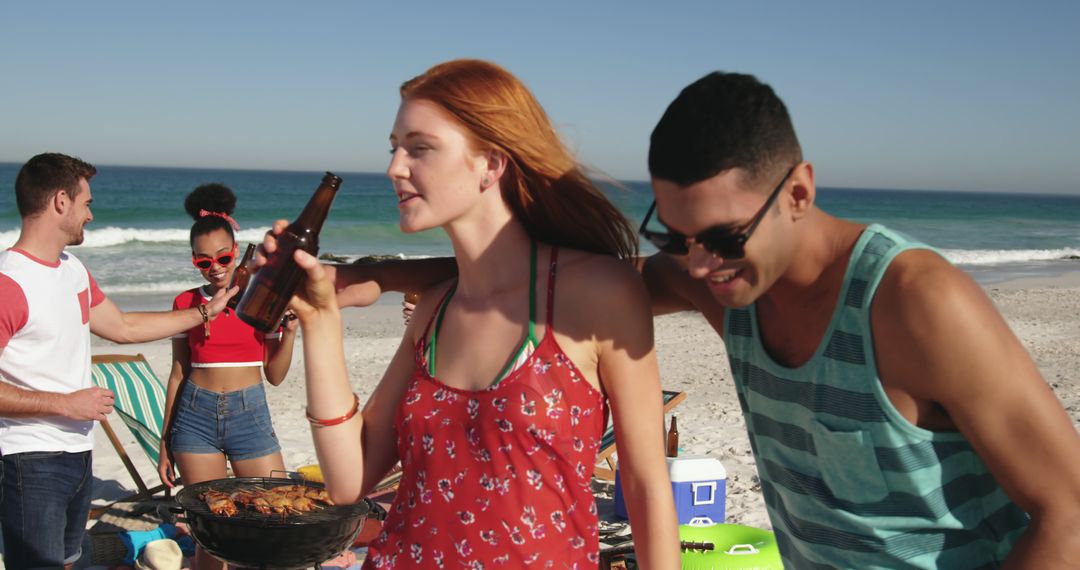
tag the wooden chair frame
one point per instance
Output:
(145, 492)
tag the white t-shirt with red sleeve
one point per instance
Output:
(45, 336)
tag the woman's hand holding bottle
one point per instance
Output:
(354, 285)
(310, 296)
(315, 300)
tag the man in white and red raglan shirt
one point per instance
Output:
(49, 305)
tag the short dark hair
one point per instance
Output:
(214, 198)
(723, 121)
(46, 174)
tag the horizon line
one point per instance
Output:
(601, 179)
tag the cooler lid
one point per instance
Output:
(691, 468)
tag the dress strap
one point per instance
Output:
(436, 318)
(551, 289)
(530, 342)
(532, 293)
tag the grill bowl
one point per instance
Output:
(253, 540)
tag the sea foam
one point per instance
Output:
(113, 236)
(999, 256)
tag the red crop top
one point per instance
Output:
(232, 342)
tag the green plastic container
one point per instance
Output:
(735, 547)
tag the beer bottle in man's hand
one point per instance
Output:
(240, 276)
(273, 285)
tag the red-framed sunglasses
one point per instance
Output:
(206, 262)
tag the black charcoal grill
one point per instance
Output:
(251, 539)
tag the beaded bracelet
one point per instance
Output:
(204, 312)
(335, 421)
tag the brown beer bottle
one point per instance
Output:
(673, 438)
(240, 276)
(273, 284)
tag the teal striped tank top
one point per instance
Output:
(848, 482)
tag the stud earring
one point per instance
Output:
(485, 181)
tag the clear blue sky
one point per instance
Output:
(957, 95)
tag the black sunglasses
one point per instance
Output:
(719, 240)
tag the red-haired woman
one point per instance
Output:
(497, 398)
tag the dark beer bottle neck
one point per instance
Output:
(314, 214)
(248, 253)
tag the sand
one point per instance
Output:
(1044, 313)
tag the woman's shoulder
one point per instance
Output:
(600, 297)
(597, 268)
(601, 281)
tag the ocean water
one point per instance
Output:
(138, 241)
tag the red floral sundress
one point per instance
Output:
(497, 477)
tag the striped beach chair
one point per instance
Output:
(140, 403)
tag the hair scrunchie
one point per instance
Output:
(223, 215)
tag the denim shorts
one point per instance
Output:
(44, 507)
(234, 423)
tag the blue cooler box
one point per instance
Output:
(699, 485)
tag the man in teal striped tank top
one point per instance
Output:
(895, 419)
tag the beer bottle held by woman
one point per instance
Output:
(240, 277)
(673, 438)
(273, 285)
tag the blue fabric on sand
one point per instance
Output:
(135, 540)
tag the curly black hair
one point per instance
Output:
(216, 198)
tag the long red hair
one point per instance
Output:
(545, 187)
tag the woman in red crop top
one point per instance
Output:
(216, 404)
(497, 398)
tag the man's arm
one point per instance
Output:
(360, 285)
(665, 277)
(672, 289)
(939, 339)
(669, 284)
(87, 404)
(109, 322)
